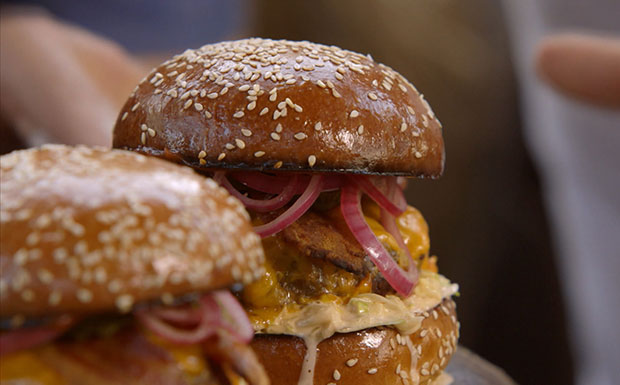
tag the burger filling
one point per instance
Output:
(196, 340)
(345, 255)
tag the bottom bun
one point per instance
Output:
(377, 356)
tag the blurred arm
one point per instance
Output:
(583, 67)
(60, 83)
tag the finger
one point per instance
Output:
(581, 66)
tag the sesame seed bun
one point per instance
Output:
(280, 105)
(87, 230)
(377, 356)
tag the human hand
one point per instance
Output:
(60, 83)
(582, 66)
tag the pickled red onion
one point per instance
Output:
(384, 191)
(293, 213)
(20, 339)
(259, 205)
(350, 205)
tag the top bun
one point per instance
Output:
(294, 106)
(87, 230)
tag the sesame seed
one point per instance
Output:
(360, 129)
(273, 97)
(276, 114)
(239, 114)
(143, 138)
(372, 96)
(354, 114)
(244, 87)
(291, 81)
(213, 95)
(336, 375)
(411, 110)
(311, 160)
(202, 154)
(198, 106)
(423, 333)
(135, 106)
(300, 136)
(208, 115)
(143, 127)
(318, 126)
(185, 95)
(336, 93)
(418, 154)
(246, 132)
(320, 83)
(403, 127)
(229, 146)
(263, 111)
(251, 106)
(84, 295)
(279, 128)
(240, 143)
(275, 136)
(398, 369)
(124, 303)
(151, 132)
(45, 276)
(54, 298)
(221, 156)
(298, 108)
(259, 154)
(392, 343)
(124, 116)
(281, 105)
(402, 88)
(435, 315)
(351, 362)
(424, 372)
(372, 371)
(278, 164)
(202, 162)
(27, 295)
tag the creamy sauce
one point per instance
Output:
(320, 320)
(414, 376)
(306, 377)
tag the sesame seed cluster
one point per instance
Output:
(265, 104)
(370, 355)
(88, 229)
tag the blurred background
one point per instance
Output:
(487, 220)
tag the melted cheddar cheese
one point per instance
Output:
(293, 281)
(26, 365)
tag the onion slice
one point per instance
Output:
(262, 206)
(389, 223)
(24, 338)
(205, 321)
(272, 184)
(384, 191)
(237, 323)
(160, 327)
(303, 203)
(350, 204)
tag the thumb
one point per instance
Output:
(582, 66)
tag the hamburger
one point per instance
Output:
(113, 270)
(317, 142)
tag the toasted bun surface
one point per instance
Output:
(370, 356)
(297, 106)
(86, 230)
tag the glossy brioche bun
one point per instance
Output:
(297, 106)
(377, 356)
(86, 230)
